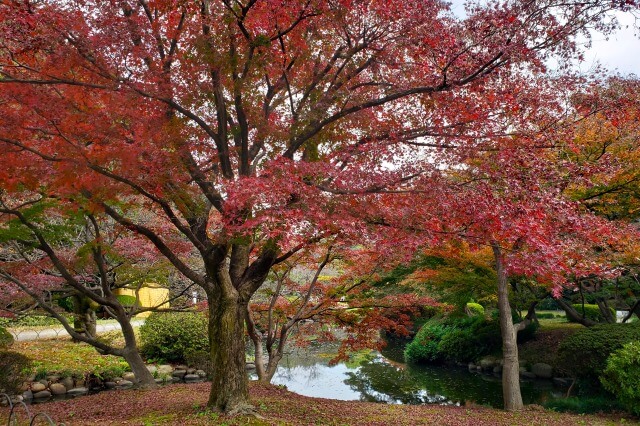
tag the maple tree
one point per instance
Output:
(314, 293)
(58, 258)
(251, 130)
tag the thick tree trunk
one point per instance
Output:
(229, 387)
(511, 368)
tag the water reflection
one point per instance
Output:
(385, 378)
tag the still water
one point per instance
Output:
(384, 377)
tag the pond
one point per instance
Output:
(384, 377)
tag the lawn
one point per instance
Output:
(64, 356)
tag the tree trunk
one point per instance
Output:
(573, 315)
(144, 378)
(229, 387)
(511, 368)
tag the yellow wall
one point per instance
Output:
(150, 295)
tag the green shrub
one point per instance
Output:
(621, 377)
(583, 405)
(454, 339)
(170, 336)
(584, 354)
(591, 312)
(474, 309)
(424, 347)
(545, 315)
(14, 369)
(6, 338)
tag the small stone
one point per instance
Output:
(42, 394)
(191, 370)
(487, 363)
(479, 368)
(17, 399)
(57, 389)
(37, 387)
(179, 373)
(78, 391)
(44, 382)
(176, 379)
(542, 370)
(152, 369)
(67, 382)
(527, 375)
(182, 367)
(110, 385)
(250, 366)
(472, 366)
(201, 373)
(160, 381)
(165, 369)
(123, 384)
(191, 378)
(53, 378)
(27, 394)
(129, 376)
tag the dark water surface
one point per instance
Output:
(384, 377)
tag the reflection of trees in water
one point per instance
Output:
(380, 381)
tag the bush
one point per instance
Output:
(545, 315)
(584, 354)
(6, 338)
(14, 369)
(474, 309)
(591, 312)
(454, 339)
(170, 336)
(424, 347)
(621, 377)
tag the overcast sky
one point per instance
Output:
(620, 53)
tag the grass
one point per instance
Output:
(184, 404)
(62, 355)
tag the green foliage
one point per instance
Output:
(454, 339)
(126, 300)
(14, 368)
(583, 405)
(6, 338)
(584, 353)
(622, 376)
(171, 336)
(31, 321)
(548, 304)
(424, 346)
(591, 312)
(545, 315)
(474, 309)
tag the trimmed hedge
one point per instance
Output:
(171, 336)
(621, 377)
(584, 354)
(474, 309)
(454, 339)
(591, 312)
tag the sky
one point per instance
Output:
(619, 53)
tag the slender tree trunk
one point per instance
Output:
(511, 368)
(229, 387)
(131, 354)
